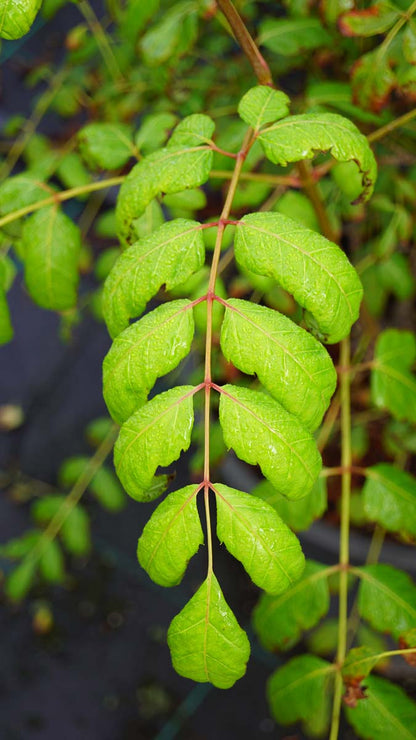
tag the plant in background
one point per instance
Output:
(276, 288)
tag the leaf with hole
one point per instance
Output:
(313, 269)
(206, 642)
(385, 712)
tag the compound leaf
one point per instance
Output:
(184, 163)
(386, 711)
(106, 146)
(51, 244)
(300, 691)
(254, 533)
(154, 435)
(280, 620)
(387, 599)
(206, 642)
(171, 537)
(313, 269)
(16, 18)
(144, 352)
(390, 498)
(167, 257)
(262, 105)
(300, 137)
(261, 432)
(294, 367)
(300, 514)
(393, 386)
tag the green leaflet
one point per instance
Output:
(301, 691)
(20, 191)
(313, 269)
(358, 663)
(106, 146)
(262, 105)
(390, 498)
(171, 537)
(51, 562)
(292, 36)
(261, 432)
(103, 485)
(75, 530)
(393, 385)
(300, 137)
(206, 642)
(280, 620)
(51, 244)
(372, 21)
(255, 535)
(155, 435)
(173, 36)
(294, 367)
(144, 352)
(387, 599)
(184, 163)
(154, 130)
(16, 18)
(6, 329)
(386, 712)
(167, 257)
(300, 514)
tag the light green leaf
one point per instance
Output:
(371, 21)
(136, 16)
(262, 105)
(373, 80)
(106, 146)
(20, 580)
(171, 537)
(393, 386)
(301, 691)
(206, 642)
(75, 530)
(16, 18)
(154, 130)
(358, 663)
(20, 191)
(313, 269)
(298, 206)
(144, 352)
(386, 712)
(390, 498)
(51, 562)
(279, 621)
(52, 244)
(72, 172)
(298, 515)
(149, 221)
(155, 435)
(6, 328)
(172, 36)
(294, 367)
(301, 137)
(167, 257)
(261, 432)
(253, 532)
(184, 163)
(103, 485)
(292, 36)
(387, 599)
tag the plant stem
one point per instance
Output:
(248, 45)
(346, 458)
(102, 40)
(391, 126)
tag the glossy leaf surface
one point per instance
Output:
(144, 352)
(253, 532)
(393, 385)
(262, 105)
(171, 537)
(300, 514)
(387, 599)
(386, 712)
(313, 269)
(206, 642)
(16, 17)
(293, 366)
(154, 435)
(167, 257)
(390, 498)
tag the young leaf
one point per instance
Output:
(300, 137)
(206, 642)
(16, 18)
(393, 386)
(144, 352)
(390, 498)
(154, 435)
(261, 432)
(171, 537)
(280, 620)
(387, 599)
(253, 532)
(300, 514)
(385, 712)
(313, 269)
(301, 691)
(293, 366)
(291, 36)
(371, 21)
(167, 257)
(262, 105)
(106, 146)
(184, 163)
(52, 244)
